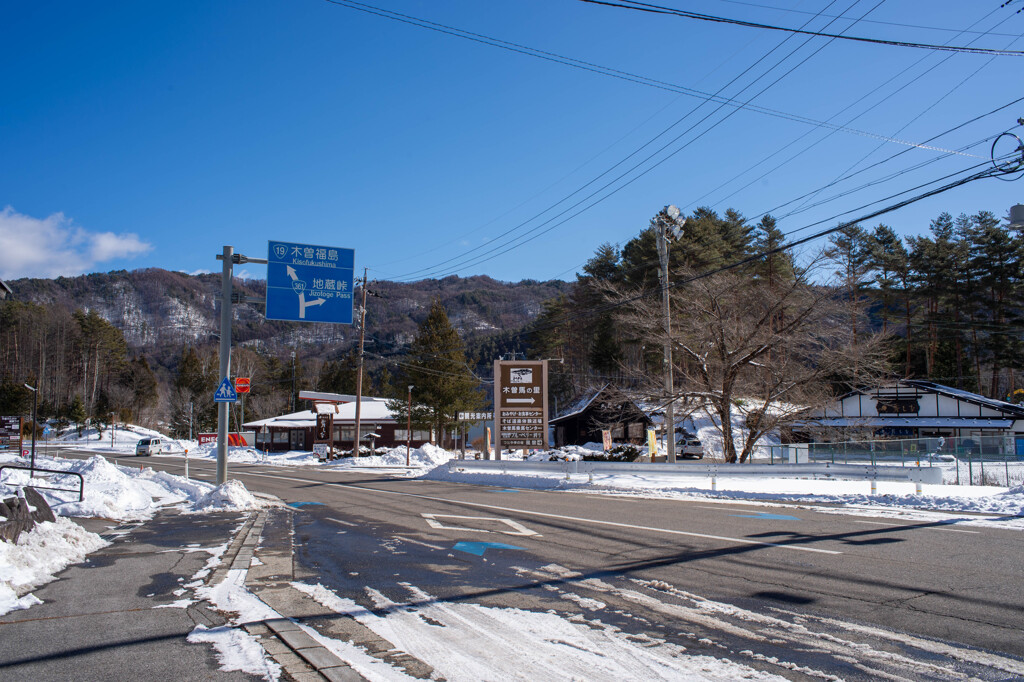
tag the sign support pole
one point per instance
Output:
(497, 411)
(227, 272)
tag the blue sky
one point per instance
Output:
(151, 135)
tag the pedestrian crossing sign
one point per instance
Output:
(225, 393)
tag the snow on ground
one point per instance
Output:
(111, 492)
(466, 641)
(122, 439)
(116, 492)
(979, 505)
(40, 553)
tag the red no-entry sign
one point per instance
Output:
(241, 384)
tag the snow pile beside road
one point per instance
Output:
(41, 552)
(891, 497)
(425, 456)
(232, 495)
(243, 454)
(109, 492)
(123, 493)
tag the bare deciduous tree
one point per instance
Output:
(769, 351)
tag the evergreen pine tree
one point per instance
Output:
(775, 268)
(443, 383)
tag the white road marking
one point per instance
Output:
(418, 542)
(344, 523)
(517, 528)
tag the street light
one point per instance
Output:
(35, 425)
(1017, 216)
(670, 228)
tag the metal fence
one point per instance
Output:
(979, 460)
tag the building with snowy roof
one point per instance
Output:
(912, 408)
(379, 426)
(604, 408)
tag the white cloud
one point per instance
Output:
(55, 246)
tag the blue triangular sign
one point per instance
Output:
(225, 393)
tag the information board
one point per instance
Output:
(520, 404)
(10, 433)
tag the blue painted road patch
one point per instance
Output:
(300, 505)
(766, 515)
(478, 548)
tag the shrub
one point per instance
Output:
(619, 453)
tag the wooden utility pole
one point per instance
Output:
(359, 370)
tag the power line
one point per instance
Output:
(706, 97)
(875, 21)
(848, 107)
(606, 70)
(537, 231)
(659, 9)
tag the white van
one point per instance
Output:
(148, 446)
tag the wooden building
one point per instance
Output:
(378, 425)
(606, 408)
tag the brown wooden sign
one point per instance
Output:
(324, 427)
(520, 404)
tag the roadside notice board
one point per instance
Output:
(520, 404)
(10, 433)
(309, 283)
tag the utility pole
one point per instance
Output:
(293, 381)
(359, 370)
(668, 231)
(408, 429)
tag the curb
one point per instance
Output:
(301, 657)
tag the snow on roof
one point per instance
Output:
(581, 404)
(910, 422)
(372, 409)
(961, 394)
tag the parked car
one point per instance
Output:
(688, 445)
(148, 446)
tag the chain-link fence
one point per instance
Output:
(979, 460)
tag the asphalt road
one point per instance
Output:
(846, 595)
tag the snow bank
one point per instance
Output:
(124, 493)
(40, 553)
(232, 495)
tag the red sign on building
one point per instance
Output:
(241, 384)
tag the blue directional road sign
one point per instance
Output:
(307, 283)
(225, 393)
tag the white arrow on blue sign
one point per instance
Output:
(225, 393)
(309, 283)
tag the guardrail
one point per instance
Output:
(32, 471)
(823, 470)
